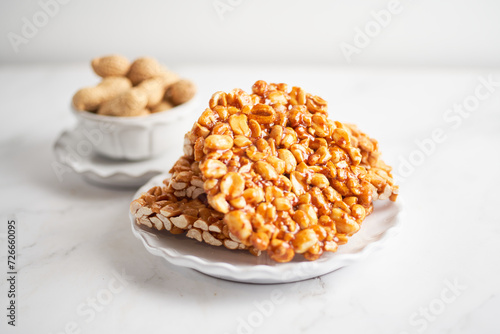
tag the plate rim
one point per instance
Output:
(59, 152)
(261, 273)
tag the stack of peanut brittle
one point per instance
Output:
(269, 171)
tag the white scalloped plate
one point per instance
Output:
(241, 266)
(108, 172)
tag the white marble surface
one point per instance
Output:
(74, 237)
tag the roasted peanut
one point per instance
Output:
(111, 66)
(91, 98)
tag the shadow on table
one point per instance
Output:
(156, 277)
(34, 163)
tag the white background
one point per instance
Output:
(425, 32)
(74, 236)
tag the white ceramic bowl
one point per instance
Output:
(135, 138)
